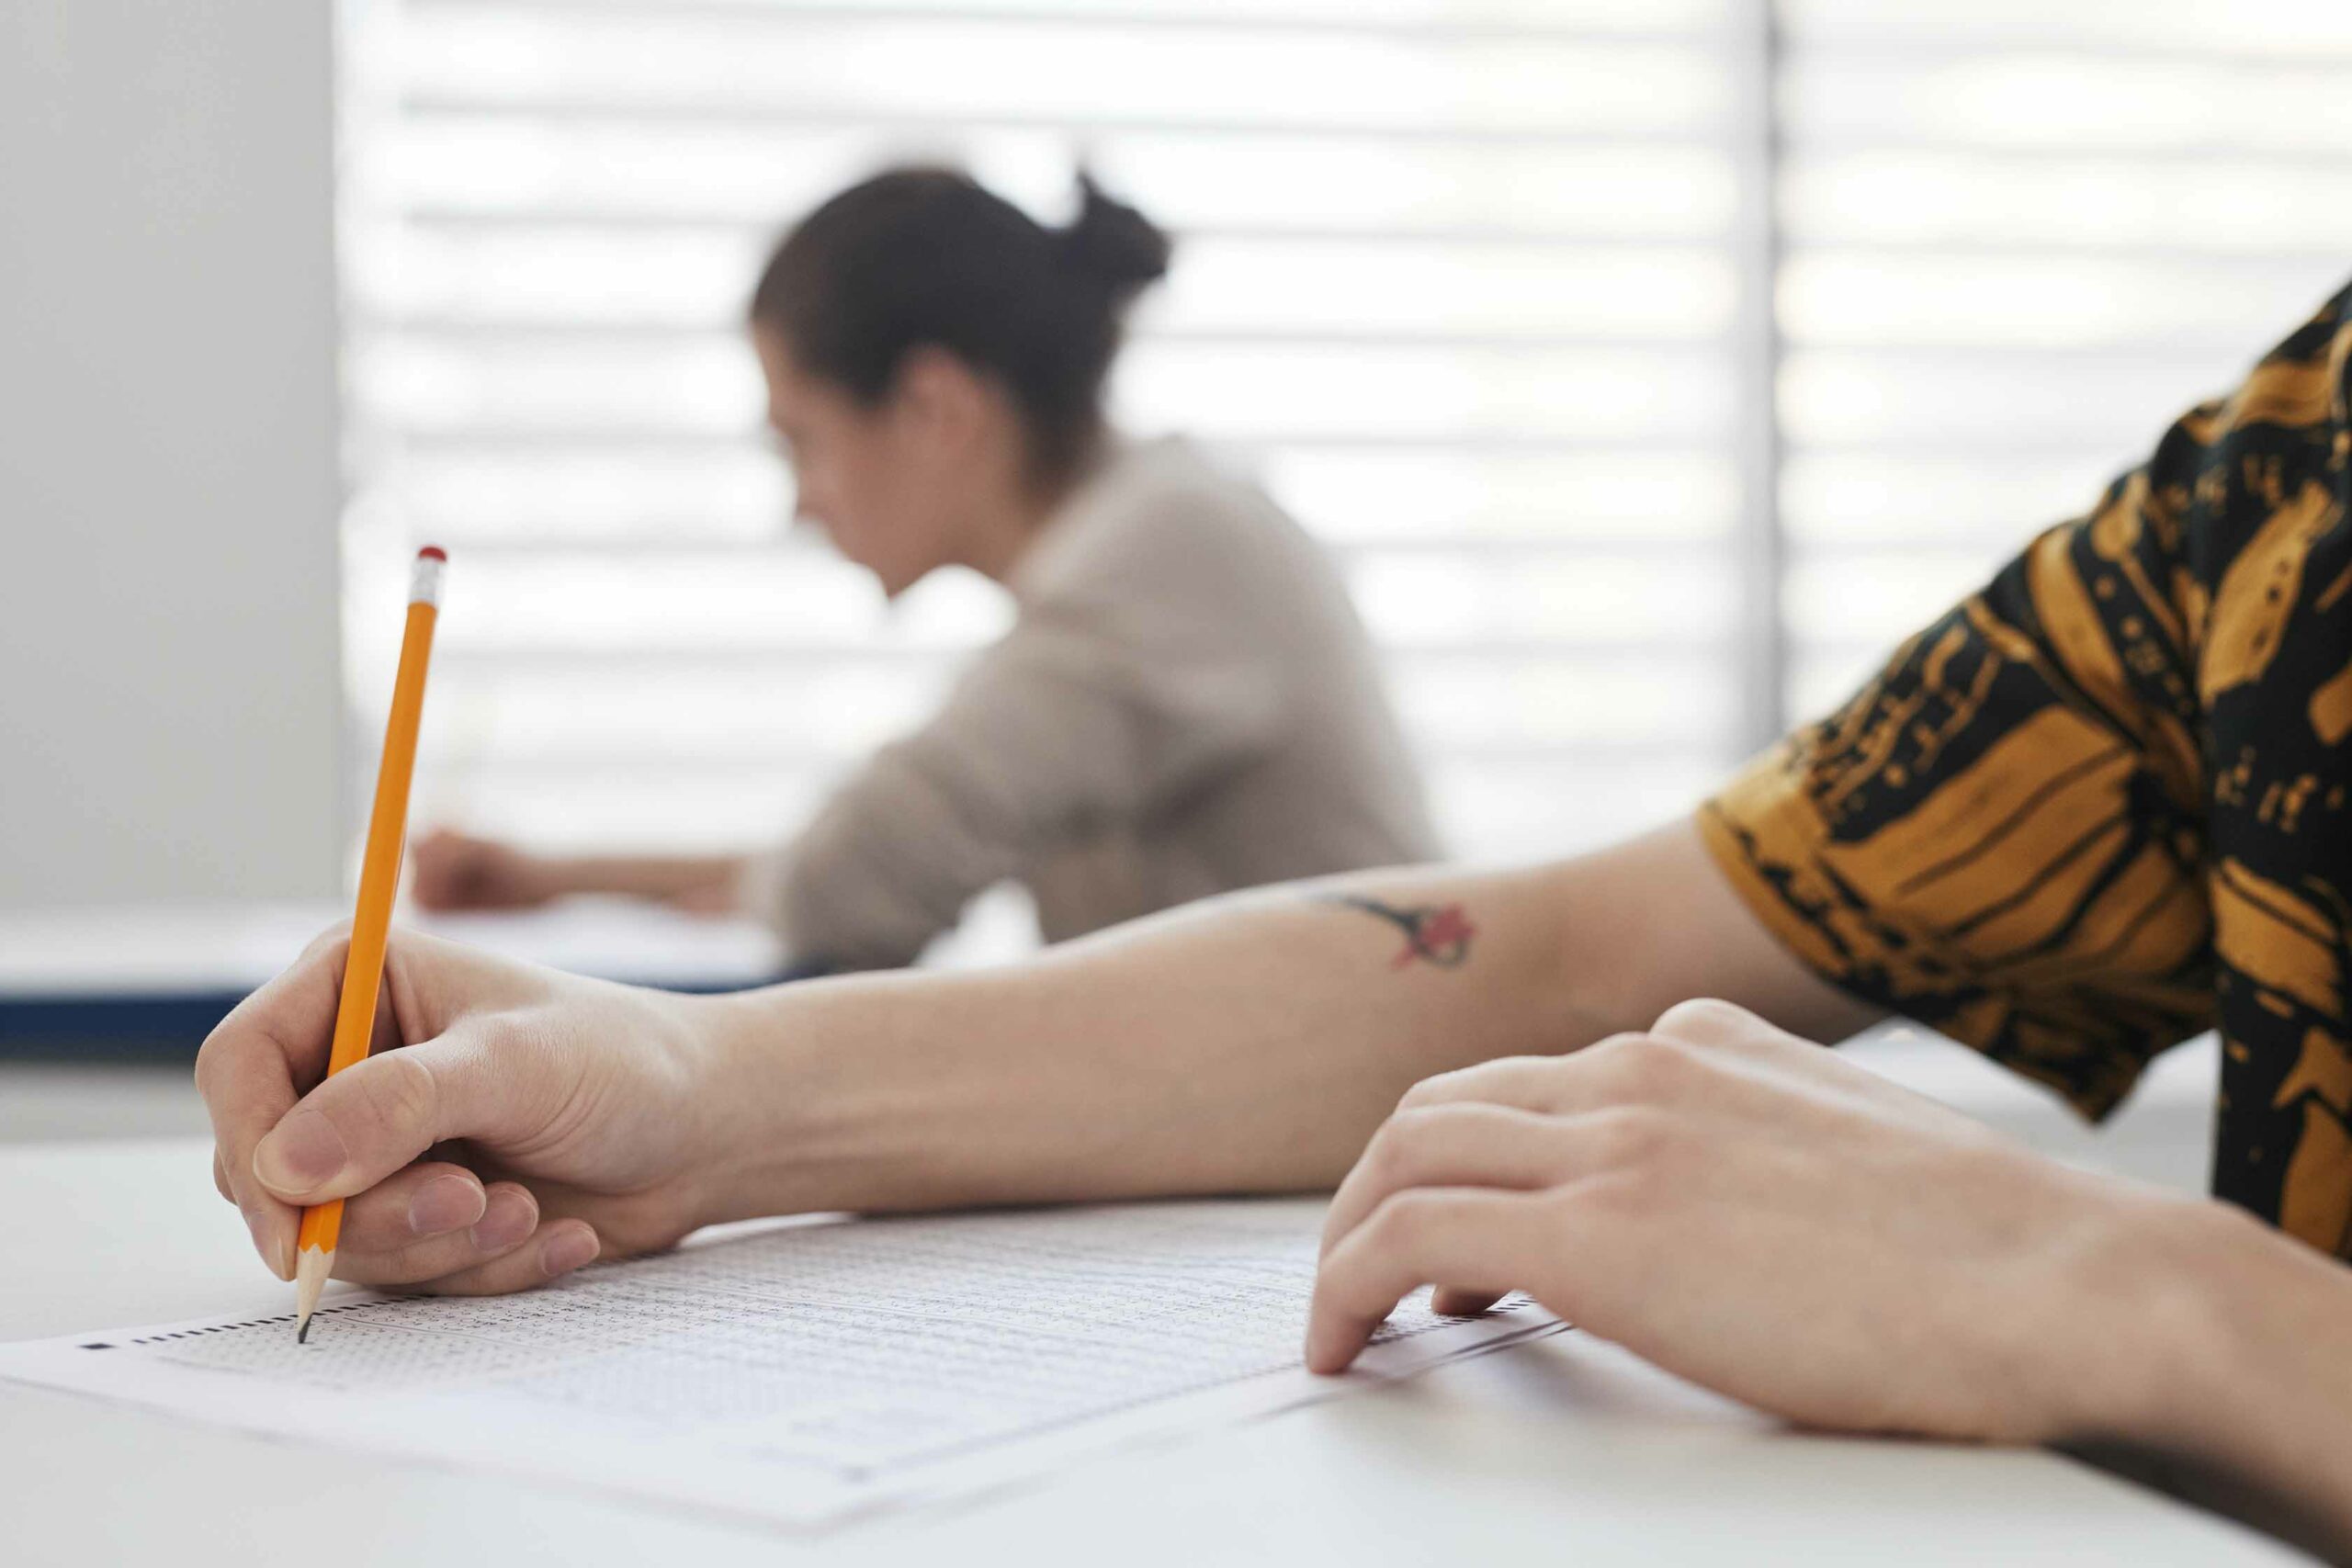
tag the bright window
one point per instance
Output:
(1642, 406)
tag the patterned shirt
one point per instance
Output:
(2100, 806)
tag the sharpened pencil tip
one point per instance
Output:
(302, 1335)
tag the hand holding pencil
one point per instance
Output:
(451, 1157)
(511, 1124)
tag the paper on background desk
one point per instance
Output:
(801, 1372)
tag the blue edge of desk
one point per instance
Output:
(164, 1027)
(110, 1028)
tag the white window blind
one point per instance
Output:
(1483, 289)
(2018, 239)
(1453, 276)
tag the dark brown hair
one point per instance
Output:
(927, 255)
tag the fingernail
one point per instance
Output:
(567, 1249)
(506, 1219)
(301, 1151)
(444, 1204)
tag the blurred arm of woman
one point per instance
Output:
(453, 870)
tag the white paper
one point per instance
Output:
(800, 1371)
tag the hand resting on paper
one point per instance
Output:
(1745, 1208)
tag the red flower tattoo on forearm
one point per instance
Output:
(1434, 934)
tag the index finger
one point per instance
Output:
(1470, 1238)
(253, 1068)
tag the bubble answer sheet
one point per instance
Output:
(800, 1371)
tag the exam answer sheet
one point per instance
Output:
(799, 1372)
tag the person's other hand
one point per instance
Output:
(449, 870)
(1744, 1209)
(511, 1124)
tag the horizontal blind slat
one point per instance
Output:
(1411, 19)
(701, 65)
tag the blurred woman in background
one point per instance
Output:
(1187, 702)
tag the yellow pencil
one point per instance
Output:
(379, 873)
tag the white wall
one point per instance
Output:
(169, 691)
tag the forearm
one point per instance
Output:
(703, 882)
(1246, 1044)
(1250, 1044)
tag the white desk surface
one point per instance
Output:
(1568, 1451)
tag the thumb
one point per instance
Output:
(380, 1113)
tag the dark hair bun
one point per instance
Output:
(919, 256)
(1113, 243)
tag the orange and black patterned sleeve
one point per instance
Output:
(2001, 834)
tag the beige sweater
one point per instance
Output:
(1186, 704)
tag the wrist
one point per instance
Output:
(2204, 1322)
(2154, 1344)
(2241, 1398)
(805, 1113)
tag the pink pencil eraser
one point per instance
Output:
(436, 551)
